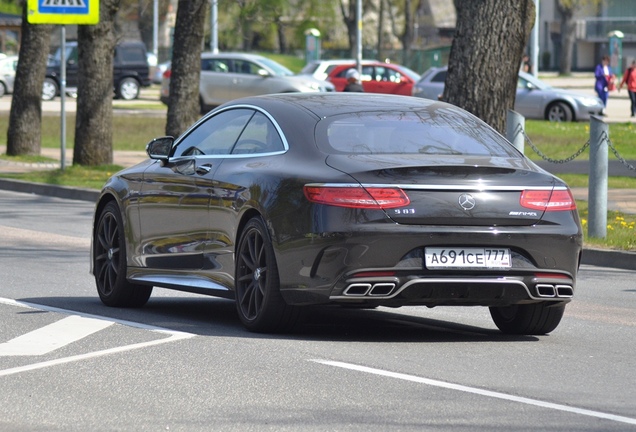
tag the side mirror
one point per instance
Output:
(263, 73)
(159, 148)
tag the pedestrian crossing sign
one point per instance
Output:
(63, 11)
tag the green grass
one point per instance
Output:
(582, 180)
(294, 64)
(74, 176)
(129, 132)
(621, 230)
(561, 140)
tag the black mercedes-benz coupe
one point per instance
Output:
(289, 200)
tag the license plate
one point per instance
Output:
(461, 258)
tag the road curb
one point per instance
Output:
(598, 257)
(50, 190)
(609, 258)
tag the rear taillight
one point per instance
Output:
(548, 200)
(357, 197)
(167, 73)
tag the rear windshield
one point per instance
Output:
(441, 131)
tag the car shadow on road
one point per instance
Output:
(208, 316)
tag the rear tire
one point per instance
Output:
(109, 262)
(259, 302)
(528, 319)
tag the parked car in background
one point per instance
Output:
(229, 76)
(158, 71)
(130, 71)
(8, 66)
(320, 69)
(534, 100)
(360, 200)
(377, 77)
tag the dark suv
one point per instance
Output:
(131, 71)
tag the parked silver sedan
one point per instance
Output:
(535, 99)
(8, 66)
(229, 76)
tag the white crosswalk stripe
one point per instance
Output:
(53, 336)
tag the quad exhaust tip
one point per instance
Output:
(549, 290)
(379, 289)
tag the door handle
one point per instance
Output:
(204, 169)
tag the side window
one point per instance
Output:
(245, 67)
(131, 54)
(216, 136)
(367, 73)
(440, 77)
(392, 75)
(259, 136)
(215, 65)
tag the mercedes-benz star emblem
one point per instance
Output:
(466, 201)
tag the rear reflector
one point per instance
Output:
(357, 197)
(546, 200)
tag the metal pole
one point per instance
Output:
(63, 98)
(515, 125)
(155, 29)
(534, 41)
(597, 188)
(359, 37)
(214, 26)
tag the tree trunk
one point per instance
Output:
(350, 21)
(407, 34)
(568, 36)
(25, 120)
(184, 106)
(94, 118)
(380, 47)
(283, 46)
(484, 61)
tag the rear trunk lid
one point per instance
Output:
(452, 190)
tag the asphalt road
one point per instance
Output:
(184, 363)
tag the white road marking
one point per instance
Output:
(478, 391)
(53, 336)
(173, 337)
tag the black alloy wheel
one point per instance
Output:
(259, 303)
(528, 319)
(109, 263)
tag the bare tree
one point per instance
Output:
(484, 61)
(94, 119)
(25, 119)
(184, 106)
(567, 9)
(348, 10)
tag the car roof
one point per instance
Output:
(234, 55)
(336, 103)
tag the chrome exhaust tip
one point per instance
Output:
(545, 290)
(357, 290)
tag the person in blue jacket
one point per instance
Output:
(603, 74)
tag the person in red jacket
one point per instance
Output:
(629, 78)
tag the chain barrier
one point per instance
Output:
(549, 159)
(577, 153)
(618, 156)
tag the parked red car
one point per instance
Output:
(378, 77)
